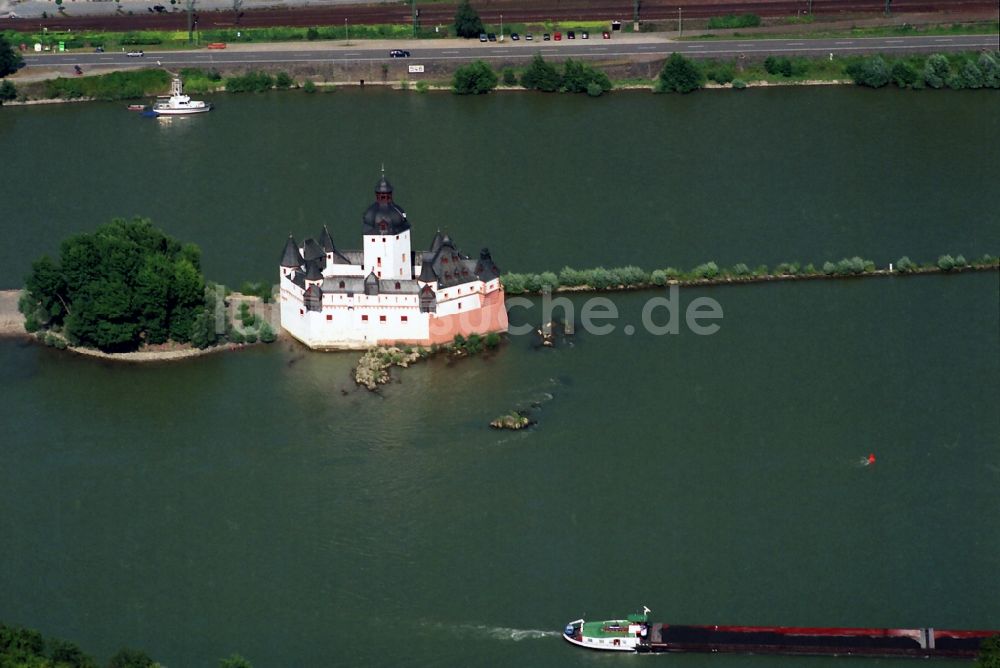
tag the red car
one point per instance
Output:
(557, 37)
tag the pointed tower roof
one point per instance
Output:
(486, 270)
(326, 241)
(314, 270)
(291, 257)
(312, 250)
(371, 284)
(436, 242)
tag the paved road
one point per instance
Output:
(445, 50)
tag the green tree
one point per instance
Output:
(189, 295)
(578, 76)
(10, 60)
(283, 81)
(871, 72)
(989, 653)
(474, 79)
(903, 74)
(541, 75)
(65, 653)
(680, 75)
(509, 77)
(990, 70)
(467, 21)
(970, 75)
(234, 661)
(266, 332)
(946, 263)
(936, 71)
(130, 658)
(8, 91)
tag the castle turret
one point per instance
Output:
(387, 236)
(291, 258)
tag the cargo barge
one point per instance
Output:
(636, 633)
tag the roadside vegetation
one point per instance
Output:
(10, 60)
(904, 30)
(630, 277)
(126, 85)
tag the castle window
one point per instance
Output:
(381, 318)
(404, 257)
(403, 318)
(364, 318)
(459, 304)
(329, 317)
(342, 284)
(397, 237)
(379, 261)
(301, 312)
(397, 285)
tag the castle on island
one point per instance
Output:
(387, 293)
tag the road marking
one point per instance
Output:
(696, 46)
(646, 48)
(449, 52)
(942, 40)
(894, 41)
(550, 51)
(795, 44)
(842, 43)
(351, 54)
(599, 48)
(744, 45)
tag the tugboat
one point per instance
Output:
(179, 104)
(636, 633)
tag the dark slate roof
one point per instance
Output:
(371, 284)
(486, 270)
(383, 186)
(427, 274)
(436, 242)
(388, 213)
(388, 285)
(314, 269)
(352, 257)
(314, 291)
(326, 240)
(291, 257)
(351, 284)
(448, 265)
(312, 250)
(299, 279)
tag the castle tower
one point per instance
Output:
(386, 237)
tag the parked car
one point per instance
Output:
(491, 36)
(482, 37)
(514, 36)
(571, 35)
(606, 35)
(135, 54)
(528, 37)
(557, 37)
(546, 37)
(98, 49)
(585, 35)
(399, 53)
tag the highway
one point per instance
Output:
(632, 46)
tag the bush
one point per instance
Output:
(235, 336)
(7, 91)
(251, 337)
(509, 77)
(905, 265)
(871, 72)
(960, 261)
(579, 77)
(513, 284)
(829, 268)
(946, 263)
(251, 82)
(658, 277)
(720, 73)
(903, 74)
(631, 275)
(467, 21)
(741, 270)
(474, 79)
(936, 71)
(549, 280)
(283, 81)
(309, 87)
(541, 75)
(733, 21)
(492, 340)
(990, 70)
(739, 84)
(707, 270)
(312, 34)
(572, 277)
(970, 76)
(679, 75)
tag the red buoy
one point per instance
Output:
(871, 458)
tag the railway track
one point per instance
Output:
(490, 11)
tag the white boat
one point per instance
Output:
(178, 104)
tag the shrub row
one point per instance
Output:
(113, 86)
(576, 77)
(937, 71)
(258, 82)
(601, 278)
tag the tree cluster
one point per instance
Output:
(467, 21)
(474, 79)
(27, 648)
(10, 60)
(125, 284)
(679, 75)
(576, 77)
(937, 71)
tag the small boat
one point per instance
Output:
(136, 107)
(179, 104)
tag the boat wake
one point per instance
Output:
(501, 632)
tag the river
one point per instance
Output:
(256, 502)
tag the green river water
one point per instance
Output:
(256, 502)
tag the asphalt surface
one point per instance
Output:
(445, 50)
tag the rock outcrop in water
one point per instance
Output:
(514, 420)
(373, 367)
